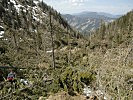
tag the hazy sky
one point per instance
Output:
(75, 6)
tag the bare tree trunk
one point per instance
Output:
(69, 45)
(15, 41)
(52, 42)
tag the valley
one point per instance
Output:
(87, 22)
(52, 60)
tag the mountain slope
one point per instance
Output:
(26, 29)
(103, 62)
(112, 56)
(88, 21)
(116, 33)
(29, 31)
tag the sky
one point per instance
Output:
(75, 6)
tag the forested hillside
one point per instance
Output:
(29, 29)
(53, 58)
(117, 33)
(112, 56)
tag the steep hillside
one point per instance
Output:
(35, 40)
(117, 33)
(34, 37)
(88, 21)
(27, 30)
(111, 46)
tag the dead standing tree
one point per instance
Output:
(69, 45)
(52, 40)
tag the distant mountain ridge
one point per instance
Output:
(95, 14)
(89, 21)
(109, 15)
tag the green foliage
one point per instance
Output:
(74, 79)
(114, 34)
(26, 41)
